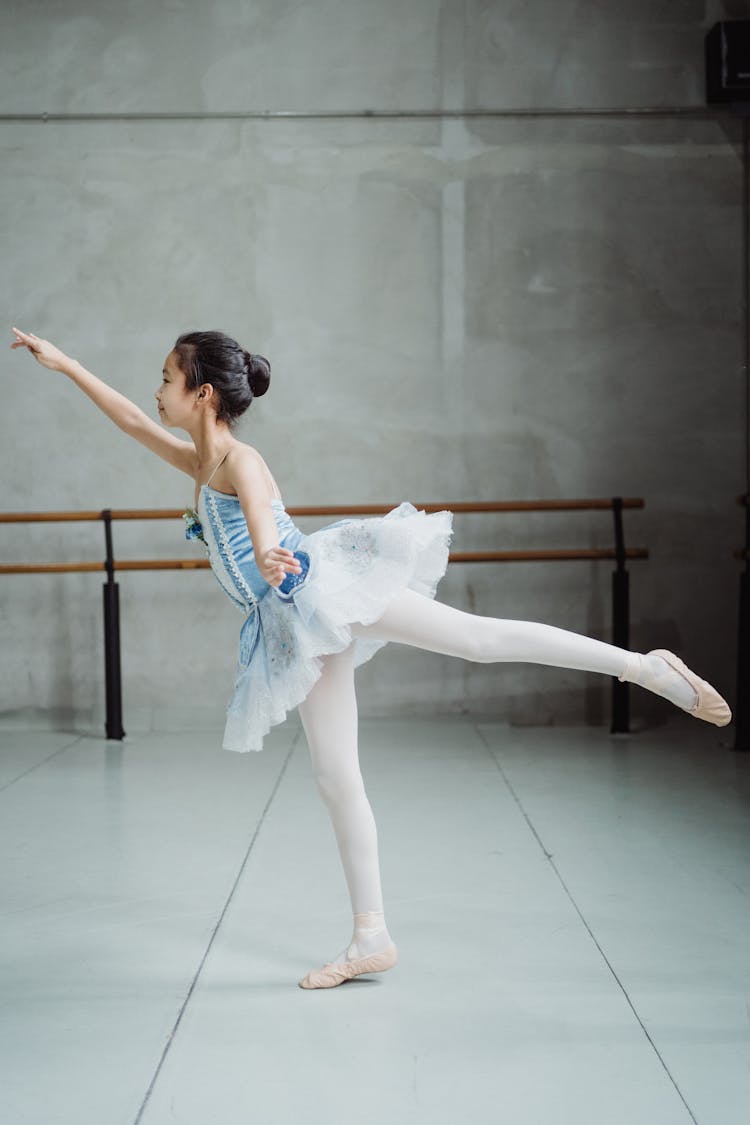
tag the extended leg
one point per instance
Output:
(414, 619)
(329, 718)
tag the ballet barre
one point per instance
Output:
(112, 674)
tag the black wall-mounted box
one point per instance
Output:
(728, 62)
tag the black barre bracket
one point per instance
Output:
(742, 709)
(112, 674)
(620, 622)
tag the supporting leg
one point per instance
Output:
(329, 719)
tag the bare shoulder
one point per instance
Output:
(243, 458)
(244, 463)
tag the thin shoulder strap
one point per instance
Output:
(217, 467)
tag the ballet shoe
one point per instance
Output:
(709, 705)
(336, 972)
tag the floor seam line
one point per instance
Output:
(549, 857)
(214, 932)
(37, 765)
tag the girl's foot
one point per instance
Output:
(336, 972)
(665, 674)
(371, 950)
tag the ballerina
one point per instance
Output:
(317, 606)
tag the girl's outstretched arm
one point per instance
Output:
(124, 413)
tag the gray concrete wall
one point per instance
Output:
(455, 308)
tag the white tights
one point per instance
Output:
(329, 718)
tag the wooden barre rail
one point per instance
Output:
(203, 564)
(335, 510)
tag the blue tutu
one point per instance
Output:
(350, 571)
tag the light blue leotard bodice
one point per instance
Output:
(230, 548)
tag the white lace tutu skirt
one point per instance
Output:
(353, 569)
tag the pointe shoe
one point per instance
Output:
(337, 972)
(709, 705)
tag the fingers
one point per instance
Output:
(286, 558)
(277, 575)
(275, 578)
(279, 563)
(25, 339)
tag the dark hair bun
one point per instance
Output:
(258, 373)
(236, 376)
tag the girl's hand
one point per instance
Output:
(42, 350)
(276, 563)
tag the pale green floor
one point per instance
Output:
(571, 911)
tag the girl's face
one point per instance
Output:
(175, 402)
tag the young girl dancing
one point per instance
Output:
(316, 606)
